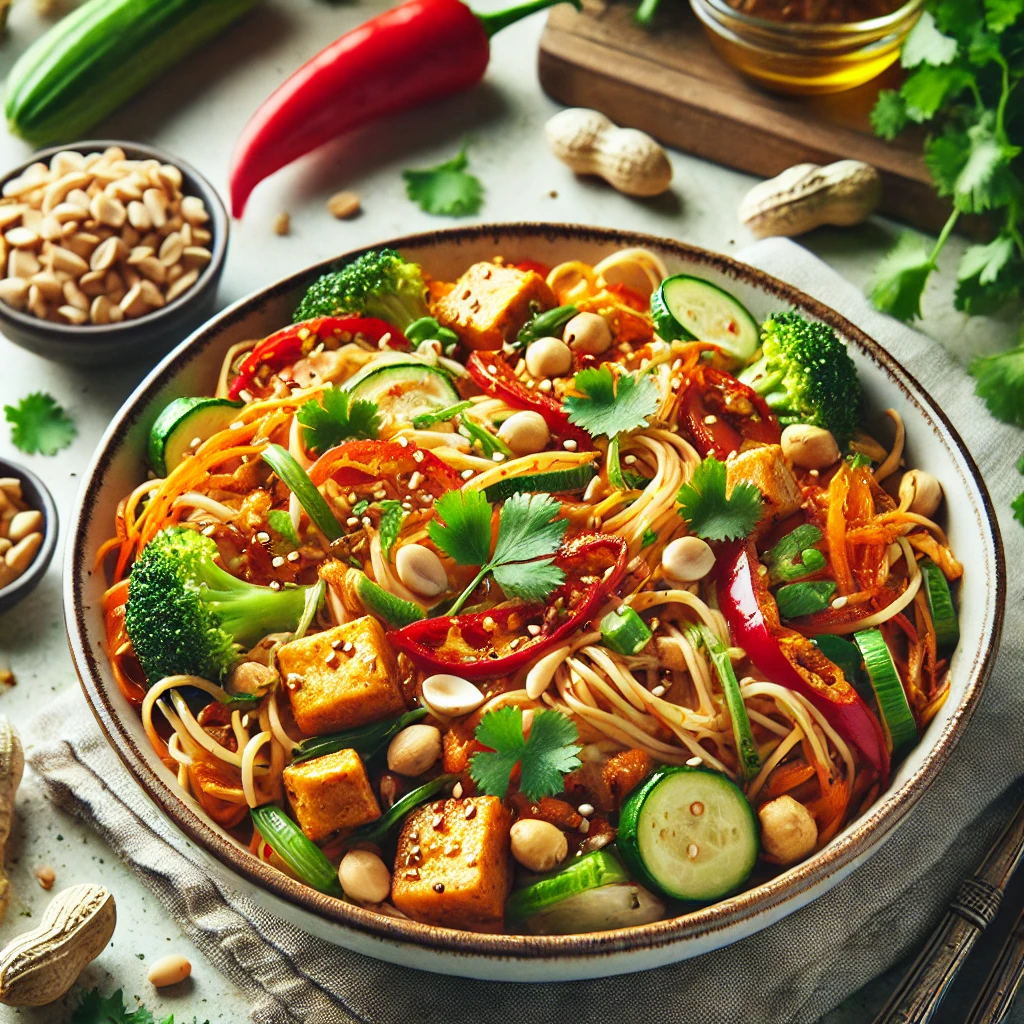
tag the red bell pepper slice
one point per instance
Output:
(790, 659)
(479, 645)
(288, 345)
(353, 463)
(494, 374)
(721, 412)
(538, 268)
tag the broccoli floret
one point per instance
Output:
(379, 284)
(188, 616)
(806, 375)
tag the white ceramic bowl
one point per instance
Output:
(192, 370)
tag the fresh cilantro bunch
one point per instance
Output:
(39, 424)
(713, 514)
(447, 190)
(550, 753)
(336, 418)
(529, 534)
(609, 405)
(95, 1009)
(965, 62)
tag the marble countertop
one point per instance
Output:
(197, 111)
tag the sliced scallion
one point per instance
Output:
(795, 556)
(296, 479)
(897, 718)
(395, 611)
(624, 632)
(365, 740)
(302, 855)
(314, 598)
(428, 419)
(796, 599)
(377, 831)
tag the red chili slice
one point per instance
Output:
(721, 412)
(358, 462)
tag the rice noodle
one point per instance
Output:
(247, 764)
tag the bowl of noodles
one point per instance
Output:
(533, 601)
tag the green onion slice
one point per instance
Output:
(897, 718)
(377, 831)
(615, 477)
(296, 479)
(940, 603)
(796, 599)
(428, 419)
(302, 855)
(365, 740)
(750, 759)
(781, 560)
(314, 598)
(624, 632)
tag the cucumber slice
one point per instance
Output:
(181, 423)
(598, 910)
(624, 632)
(692, 309)
(590, 872)
(393, 610)
(897, 718)
(551, 481)
(687, 855)
(940, 603)
(846, 656)
(403, 388)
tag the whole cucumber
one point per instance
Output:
(99, 56)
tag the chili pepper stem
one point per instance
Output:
(497, 20)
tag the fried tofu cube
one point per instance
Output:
(341, 678)
(329, 793)
(766, 469)
(490, 302)
(453, 866)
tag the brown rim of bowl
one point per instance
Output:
(219, 227)
(884, 815)
(768, 26)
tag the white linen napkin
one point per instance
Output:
(790, 973)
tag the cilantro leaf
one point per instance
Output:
(900, 276)
(1000, 382)
(281, 523)
(945, 156)
(528, 528)
(987, 180)
(1001, 14)
(649, 537)
(529, 581)
(1018, 508)
(988, 275)
(544, 759)
(925, 44)
(713, 514)
(336, 418)
(929, 87)
(889, 114)
(462, 529)
(94, 1009)
(446, 190)
(610, 404)
(40, 424)
(390, 524)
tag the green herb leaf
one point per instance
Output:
(1001, 14)
(336, 418)
(611, 404)
(988, 275)
(550, 753)
(889, 114)
(649, 537)
(1000, 382)
(281, 523)
(929, 87)
(945, 156)
(529, 581)
(40, 424)
(1018, 508)
(528, 527)
(925, 44)
(987, 180)
(462, 529)
(709, 512)
(390, 524)
(95, 1009)
(900, 278)
(446, 190)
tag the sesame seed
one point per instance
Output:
(489, 623)
(209, 531)
(533, 629)
(195, 442)
(814, 472)
(498, 456)
(457, 791)
(586, 810)
(245, 396)
(384, 341)
(630, 460)
(658, 691)
(404, 442)
(366, 521)
(336, 645)
(470, 813)
(351, 496)
(695, 762)
(236, 425)
(381, 494)
(840, 602)
(277, 562)
(263, 537)
(570, 445)
(692, 850)
(331, 660)
(584, 826)
(491, 368)
(274, 585)
(544, 385)
(417, 456)
(352, 521)
(426, 498)
(696, 808)
(710, 419)
(347, 647)
(407, 505)
(303, 333)
(292, 556)
(415, 480)
(466, 474)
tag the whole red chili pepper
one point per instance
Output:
(466, 643)
(417, 52)
(288, 345)
(493, 373)
(790, 659)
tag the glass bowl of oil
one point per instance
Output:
(787, 52)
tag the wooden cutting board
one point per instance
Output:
(672, 85)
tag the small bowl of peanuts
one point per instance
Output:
(109, 251)
(28, 532)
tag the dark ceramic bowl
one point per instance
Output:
(38, 497)
(150, 336)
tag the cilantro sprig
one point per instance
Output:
(447, 190)
(336, 418)
(964, 63)
(549, 753)
(609, 405)
(529, 534)
(711, 512)
(97, 1009)
(40, 424)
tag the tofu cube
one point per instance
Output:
(341, 678)
(453, 866)
(765, 468)
(329, 793)
(490, 302)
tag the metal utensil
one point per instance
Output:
(993, 1002)
(971, 911)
